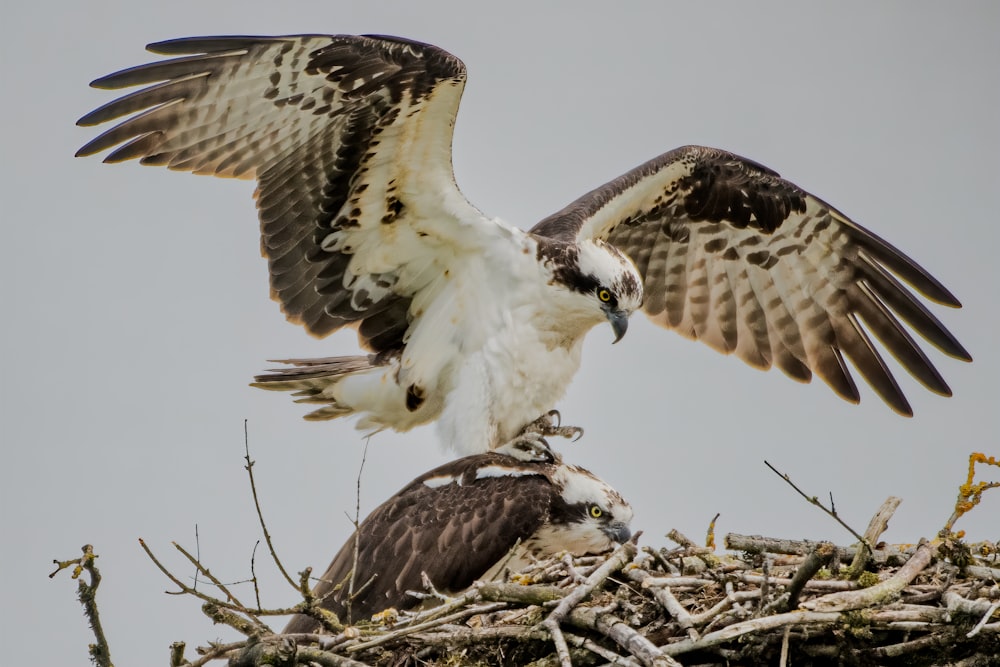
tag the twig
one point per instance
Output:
(253, 573)
(211, 577)
(312, 608)
(765, 586)
(223, 616)
(754, 625)
(308, 656)
(816, 559)
(430, 591)
(880, 592)
(921, 644)
(559, 641)
(537, 594)
(680, 538)
(469, 597)
(263, 525)
(956, 603)
(86, 593)
(357, 532)
(615, 562)
(411, 629)
(623, 634)
(665, 597)
(595, 648)
(185, 589)
(876, 527)
(678, 582)
(757, 544)
(725, 603)
(970, 493)
(215, 652)
(815, 501)
(197, 547)
(983, 572)
(177, 654)
(280, 652)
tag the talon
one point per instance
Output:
(572, 433)
(529, 446)
(554, 418)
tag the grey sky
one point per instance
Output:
(137, 303)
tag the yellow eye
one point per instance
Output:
(596, 511)
(604, 295)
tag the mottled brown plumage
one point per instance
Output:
(459, 521)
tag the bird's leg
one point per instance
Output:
(530, 444)
(550, 424)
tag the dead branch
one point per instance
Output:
(878, 525)
(86, 593)
(880, 593)
(971, 492)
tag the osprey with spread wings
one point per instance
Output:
(473, 322)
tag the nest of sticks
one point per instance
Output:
(772, 602)
(763, 601)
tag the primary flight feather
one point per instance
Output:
(470, 321)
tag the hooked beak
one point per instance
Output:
(619, 323)
(618, 531)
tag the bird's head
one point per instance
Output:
(618, 285)
(588, 517)
(603, 282)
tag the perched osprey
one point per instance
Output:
(467, 521)
(468, 320)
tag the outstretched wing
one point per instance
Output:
(450, 523)
(735, 256)
(349, 139)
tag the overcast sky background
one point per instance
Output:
(137, 303)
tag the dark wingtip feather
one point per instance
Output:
(193, 45)
(96, 145)
(903, 410)
(833, 370)
(136, 148)
(960, 353)
(119, 79)
(900, 263)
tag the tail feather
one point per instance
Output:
(305, 369)
(312, 381)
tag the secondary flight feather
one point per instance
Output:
(470, 321)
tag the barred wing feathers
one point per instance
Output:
(735, 256)
(349, 139)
